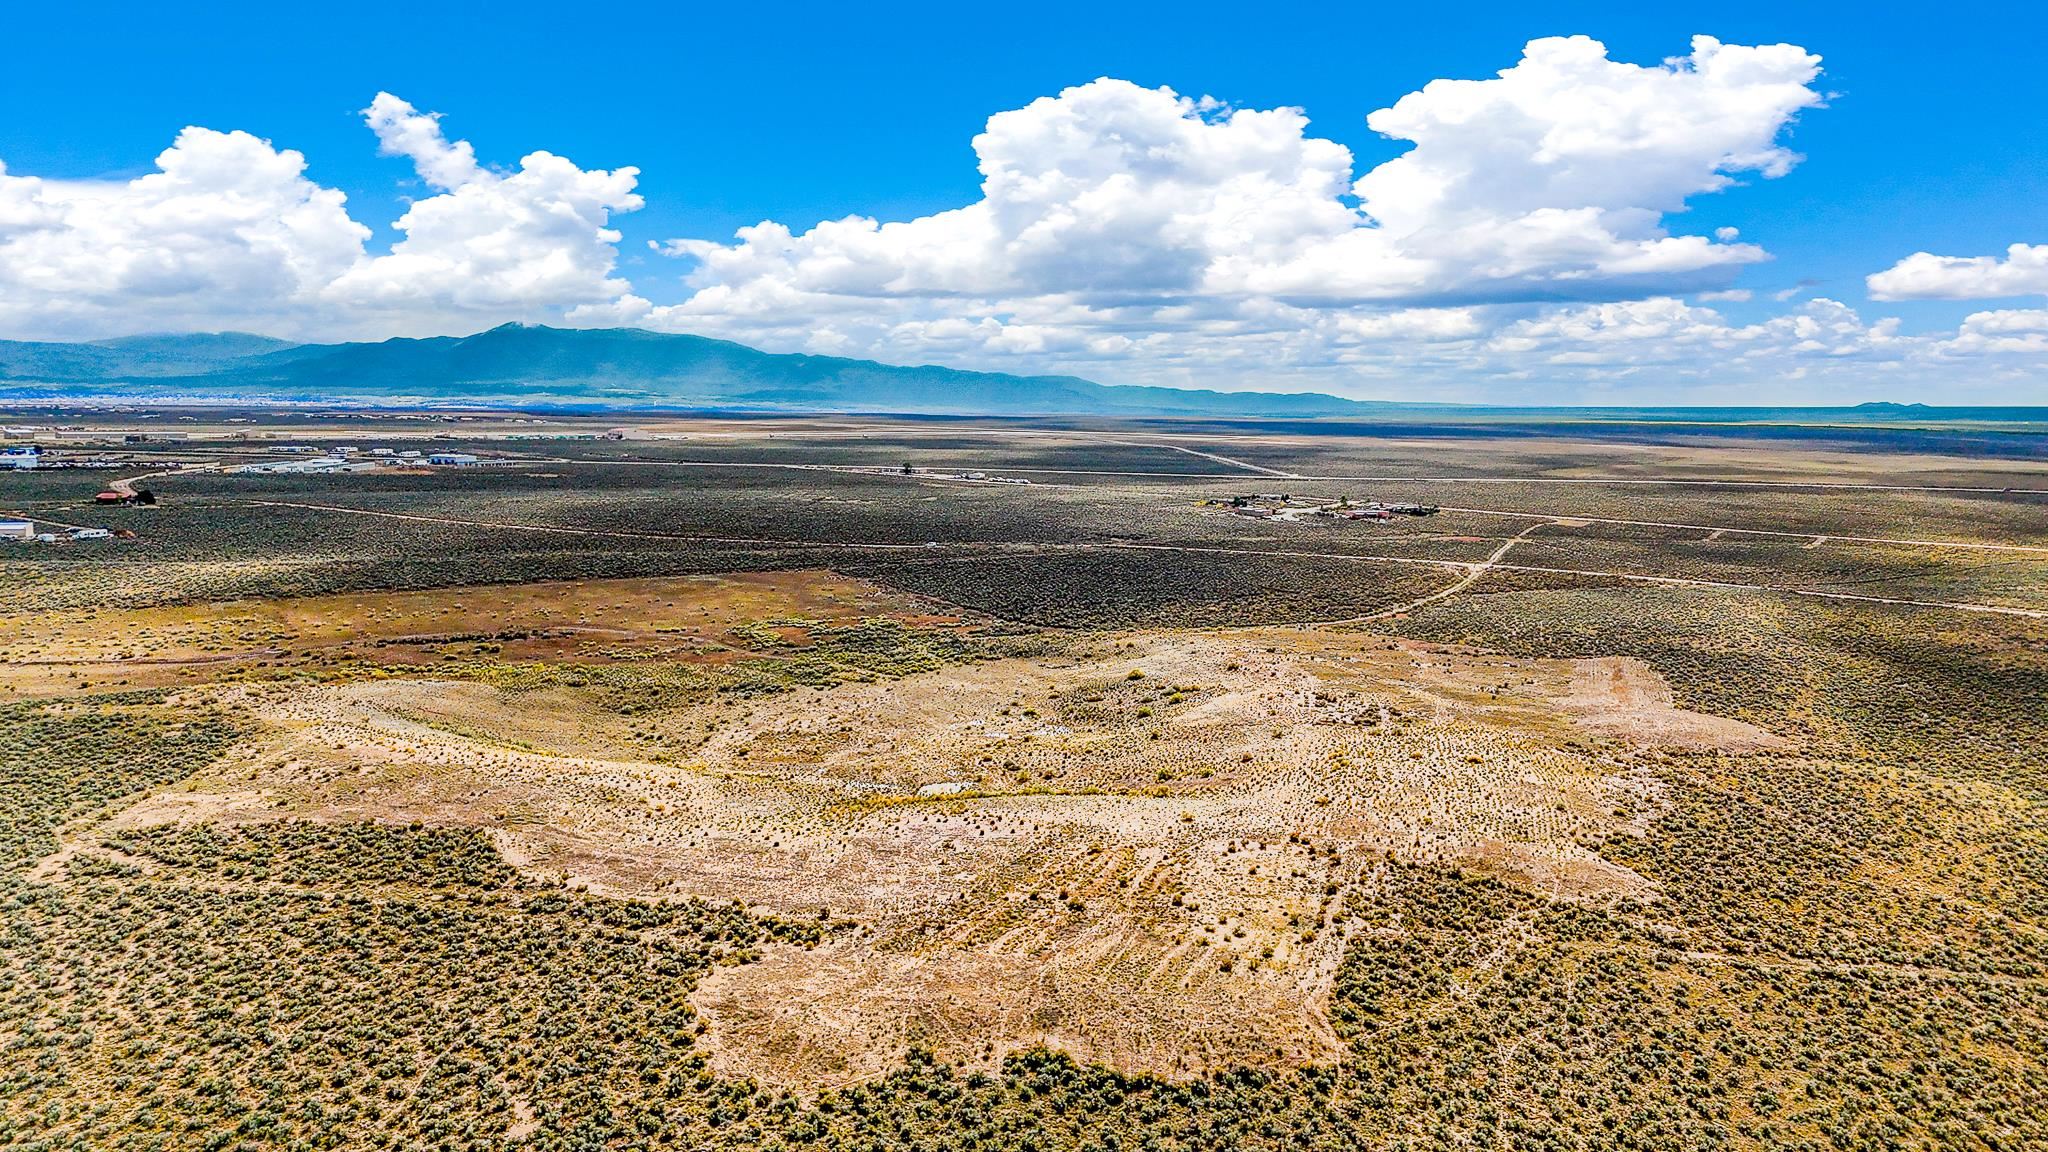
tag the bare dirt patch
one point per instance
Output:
(1136, 849)
(1624, 697)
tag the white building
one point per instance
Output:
(91, 534)
(17, 530)
(453, 460)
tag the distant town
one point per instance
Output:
(1287, 507)
(33, 447)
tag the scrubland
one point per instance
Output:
(606, 802)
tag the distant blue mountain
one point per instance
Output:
(131, 357)
(629, 368)
(617, 367)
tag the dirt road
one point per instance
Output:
(1633, 577)
(1717, 530)
(1472, 573)
(1473, 568)
(1233, 462)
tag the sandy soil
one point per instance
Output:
(1622, 696)
(1138, 850)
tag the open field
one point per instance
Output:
(729, 786)
(690, 621)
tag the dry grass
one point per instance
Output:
(682, 618)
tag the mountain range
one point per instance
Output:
(532, 366)
(614, 367)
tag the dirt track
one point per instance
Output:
(1463, 565)
(1472, 573)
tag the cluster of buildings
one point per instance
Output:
(348, 458)
(24, 532)
(1286, 506)
(29, 457)
(47, 454)
(44, 435)
(970, 477)
(335, 463)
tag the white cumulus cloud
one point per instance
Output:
(1550, 180)
(1139, 234)
(1925, 276)
(1533, 242)
(229, 233)
(2022, 331)
(520, 245)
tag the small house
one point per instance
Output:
(17, 530)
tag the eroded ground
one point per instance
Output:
(1133, 847)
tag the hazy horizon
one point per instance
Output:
(210, 382)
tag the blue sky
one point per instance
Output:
(1931, 140)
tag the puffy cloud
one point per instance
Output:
(1409, 324)
(1551, 179)
(1108, 191)
(1138, 234)
(229, 233)
(523, 245)
(1548, 181)
(1925, 276)
(1663, 332)
(2019, 330)
(1129, 234)
(403, 130)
